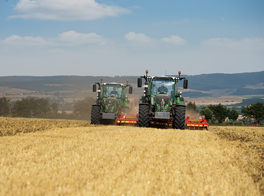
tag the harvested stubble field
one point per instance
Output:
(119, 160)
(12, 126)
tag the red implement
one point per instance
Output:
(254, 124)
(126, 120)
(196, 124)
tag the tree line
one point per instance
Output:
(42, 108)
(219, 113)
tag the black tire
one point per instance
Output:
(179, 117)
(143, 115)
(95, 114)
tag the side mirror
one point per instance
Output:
(130, 89)
(185, 84)
(139, 82)
(94, 88)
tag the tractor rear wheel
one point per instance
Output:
(143, 118)
(95, 114)
(179, 117)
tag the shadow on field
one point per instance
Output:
(251, 141)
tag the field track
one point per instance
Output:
(116, 160)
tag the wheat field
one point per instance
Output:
(81, 159)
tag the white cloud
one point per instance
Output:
(65, 10)
(174, 39)
(74, 38)
(69, 38)
(245, 43)
(58, 58)
(138, 38)
(16, 40)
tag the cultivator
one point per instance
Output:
(190, 123)
(196, 124)
(124, 119)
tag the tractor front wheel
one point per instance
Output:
(95, 114)
(179, 117)
(143, 115)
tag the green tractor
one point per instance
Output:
(110, 102)
(161, 104)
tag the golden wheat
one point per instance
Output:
(117, 160)
(12, 126)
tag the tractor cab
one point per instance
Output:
(112, 90)
(161, 93)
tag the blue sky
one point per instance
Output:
(125, 37)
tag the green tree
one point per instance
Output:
(4, 106)
(21, 108)
(42, 107)
(207, 113)
(82, 108)
(31, 108)
(255, 111)
(220, 112)
(232, 115)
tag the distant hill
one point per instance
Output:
(199, 85)
(225, 81)
(228, 84)
(57, 83)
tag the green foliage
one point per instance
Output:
(21, 108)
(216, 122)
(232, 115)
(219, 111)
(228, 123)
(41, 108)
(207, 113)
(255, 111)
(30, 108)
(4, 106)
(238, 123)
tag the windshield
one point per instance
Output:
(112, 90)
(164, 86)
